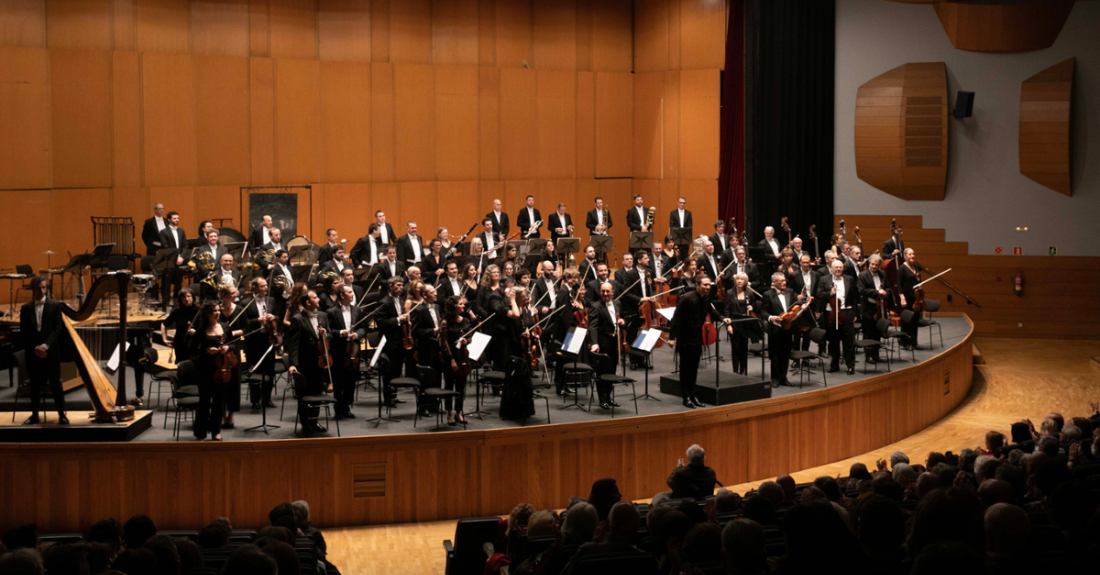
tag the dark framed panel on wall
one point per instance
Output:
(290, 207)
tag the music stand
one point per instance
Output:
(602, 244)
(264, 425)
(98, 258)
(234, 248)
(642, 348)
(196, 243)
(567, 246)
(680, 236)
(76, 267)
(641, 241)
(300, 255)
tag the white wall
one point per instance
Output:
(987, 197)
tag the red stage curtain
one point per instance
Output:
(731, 175)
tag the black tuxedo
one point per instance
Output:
(303, 355)
(270, 246)
(554, 223)
(591, 221)
(634, 221)
(587, 270)
(219, 273)
(386, 274)
(890, 245)
(799, 287)
(500, 225)
(324, 255)
(779, 339)
(592, 289)
(48, 369)
(711, 270)
(406, 253)
(674, 222)
(172, 277)
(769, 253)
(390, 236)
(755, 280)
(907, 283)
(686, 329)
(280, 297)
(721, 243)
(603, 331)
(390, 328)
(345, 377)
(485, 246)
(335, 266)
(445, 289)
(524, 222)
(666, 265)
(367, 250)
(869, 297)
(846, 331)
(539, 294)
(257, 344)
(427, 344)
(150, 235)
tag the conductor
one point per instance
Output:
(687, 329)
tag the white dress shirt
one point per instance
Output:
(599, 217)
(385, 236)
(175, 236)
(783, 301)
(456, 285)
(418, 251)
(266, 234)
(681, 212)
(313, 322)
(160, 223)
(774, 245)
(393, 267)
(550, 290)
(346, 312)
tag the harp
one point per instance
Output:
(110, 405)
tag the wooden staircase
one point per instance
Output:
(1059, 291)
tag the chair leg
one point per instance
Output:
(825, 378)
(634, 388)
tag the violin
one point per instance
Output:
(710, 334)
(461, 356)
(324, 360)
(836, 315)
(787, 319)
(407, 340)
(580, 315)
(224, 364)
(918, 293)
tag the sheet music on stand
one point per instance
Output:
(112, 364)
(377, 352)
(667, 312)
(647, 339)
(574, 340)
(477, 346)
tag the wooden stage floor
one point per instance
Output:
(1019, 378)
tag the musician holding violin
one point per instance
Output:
(740, 301)
(214, 365)
(778, 301)
(911, 297)
(305, 346)
(639, 293)
(231, 313)
(872, 288)
(259, 314)
(839, 293)
(391, 320)
(346, 336)
(455, 357)
(605, 323)
(686, 335)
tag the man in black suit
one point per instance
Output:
(872, 287)
(744, 266)
(262, 234)
(391, 316)
(605, 319)
(41, 325)
(216, 252)
(680, 218)
(306, 330)
(894, 246)
(561, 224)
(257, 345)
(368, 249)
(450, 285)
(659, 265)
(227, 271)
(636, 216)
(500, 221)
(386, 236)
(711, 264)
(639, 290)
(276, 242)
(489, 239)
(685, 334)
(337, 261)
(390, 267)
(598, 220)
(357, 292)
(776, 302)
(587, 267)
(342, 318)
(844, 289)
(172, 278)
(325, 254)
(425, 325)
(150, 232)
(796, 249)
(592, 288)
(720, 240)
(527, 218)
(281, 267)
(410, 247)
(772, 246)
(804, 283)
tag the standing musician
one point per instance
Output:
(872, 287)
(260, 313)
(228, 295)
(427, 326)
(641, 292)
(208, 343)
(686, 335)
(345, 349)
(605, 320)
(659, 264)
(276, 242)
(687, 276)
(348, 277)
(150, 231)
(390, 267)
(410, 247)
(796, 248)
(680, 218)
(456, 325)
(500, 221)
(636, 216)
(739, 302)
(720, 239)
(494, 299)
(561, 224)
(527, 218)
(843, 288)
(325, 254)
(307, 329)
(908, 278)
(787, 264)
(592, 288)
(181, 320)
(226, 271)
(587, 265)
(489, 239)
(337, 261)
(173, 237)
(449, 249)
(771, 246)
(893, 247)
(261, 236)
(851, 263)
(41, 325)
(544, 293)
(385, 231)
(804, 283)
(711, 264)
(598, 220)
(281, 267)
(390, 319)
(368, 249)
(776, 302)
(449, 284)
(570, 298)
(433, 262)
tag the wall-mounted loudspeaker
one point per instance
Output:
(964, 105)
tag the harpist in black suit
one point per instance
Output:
(686, 335)
(42, 347)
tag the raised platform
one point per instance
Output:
(724, 389)
(80, 430)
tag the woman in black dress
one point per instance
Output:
(431, 267)
(740, 302)
(908, 278)
(180, 321)
(687, 277)
(457, 324)
(230, 311)
(207, 345)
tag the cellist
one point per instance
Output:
(908, 278)
(872, 287)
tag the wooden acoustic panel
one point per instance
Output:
(1001, 25)
(901, 131)
(1045, 108)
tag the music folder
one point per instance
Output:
(574, 340)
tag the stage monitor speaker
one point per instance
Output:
(964, 105)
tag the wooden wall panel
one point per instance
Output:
(380, 30)
(456, 122)
(555, 34)
(612, 36)
(1003, 26)
(458, 207)
(702, 34)
(168, 119)
(133, 202)
(126, 119)
(513, 33)
(346, 121)
(179, 199)
(78, 24)
(382, 122)
(261, 98)
(298, 145)
(411, 31)
(586, 125)
(551, 192)
(617, 195)
(557, 116)
(220, 27)
(515, 198)
(1045, 114)
(222, 125)
(349, 208)
(702, 200)
(162, 25)
(518, 123)
(651, 35)
(486, 32)
(218, 202)
(72, 233)
(671, 118)
(81, 98)
(488, 123)
(614, 120)
(584, 35)
(259, 29)
(648, 124)
(454, 32)
(26, 158)
(32, 219)
(414, 111)
(700, 93)
(293, 28)
(344, 30)
(418, 203)
(487, 191)
(23, 24)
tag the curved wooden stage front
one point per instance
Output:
(407, 478)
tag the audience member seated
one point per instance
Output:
(694, 479)
(284, 555)
(622, 524)
(743, 548)
(250, 560)
(214, 535)
(137, 530)
(22, 561)
(604, 495)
